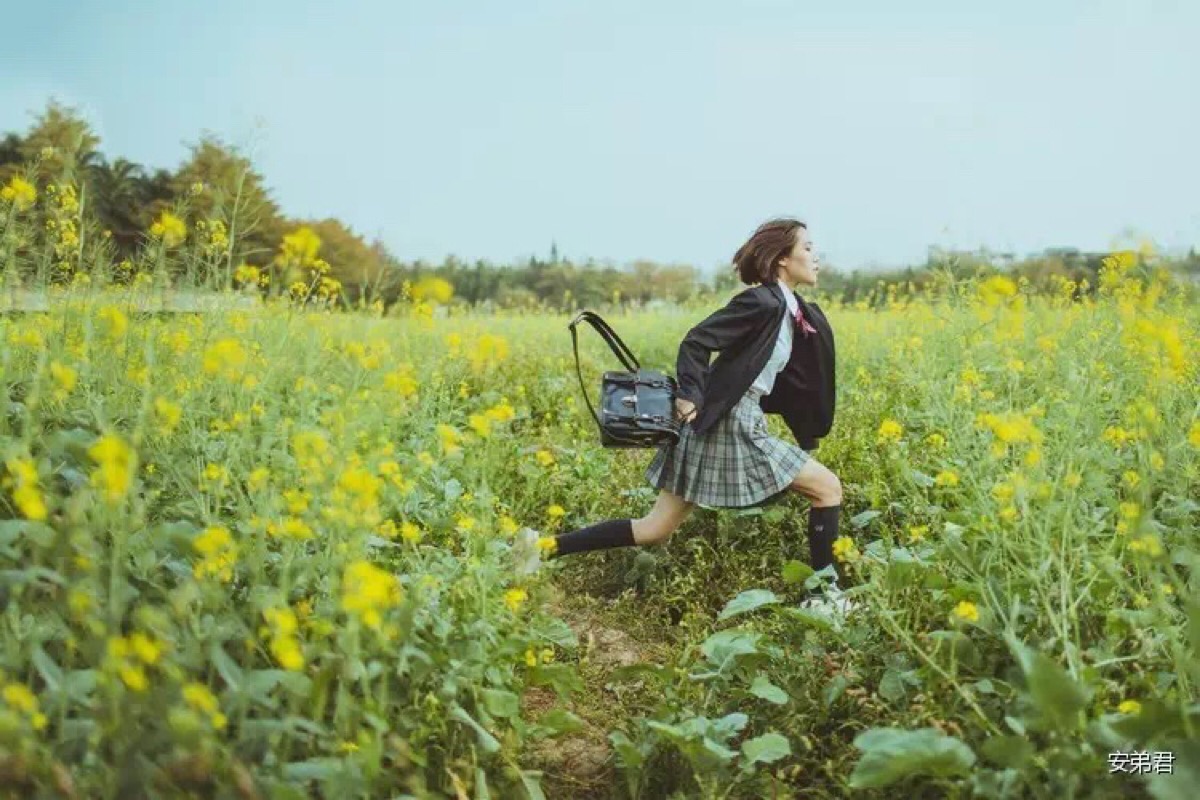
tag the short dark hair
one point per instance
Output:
(757, 260)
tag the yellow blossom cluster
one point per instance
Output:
(488, 351)
(127, 657)
(20, 193)
(481, 424)
(311, 450)
(431, 288)
(532, 657)
(368, 592)
(889, 432)
(21, 702)
(965, 611)
(218, 553)
(1012, 429)
(116, 465)
(284, 642)
(169, 229)
(22, 481)
(216, 240)
(226, 358)
(845, 550)
(200, 698)
(249, 275)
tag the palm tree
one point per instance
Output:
(117, 199)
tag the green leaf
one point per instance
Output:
(891, 686)
(766, 748)
(863, 519)
(891, 754)
(558, 721)
(795, 572)
(1008, 751)
(39, 533)
(629, 755)
(500, 703)
(747, 601)
(724, 647)
(809, 618)
(833, 690)
(230, 672)
(318, 769)
(762, 687)
(50, 672)
(481, 785)
(1155, 721)
(486, 740)
(723, 753)
(533, 784)
(920, 478)
(1177, 785)
(1057, 696)
(729, 724)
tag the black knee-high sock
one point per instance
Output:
(602, 535)
(822, 530)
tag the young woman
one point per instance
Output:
(776, 356)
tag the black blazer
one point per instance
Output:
(745, 332)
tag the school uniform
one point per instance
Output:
(776, 357)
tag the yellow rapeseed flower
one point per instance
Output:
(514, 597)
(64, 376)
(20, 192)
(889, 431)
(116, 465)
(167, 414)
(966, 610)
(225, 358)
(368, 591)
(946, 478)
(845, 551)
(27, 496)
(169, 228)
(1129, 707)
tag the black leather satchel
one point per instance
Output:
(637, 405)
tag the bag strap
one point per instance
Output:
(619, 348)
(609, 336)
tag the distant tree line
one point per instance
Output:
(216, 181)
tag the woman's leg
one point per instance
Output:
(824, 490)
(668, 514)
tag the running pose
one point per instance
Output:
(776, 357)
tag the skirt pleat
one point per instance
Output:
(735, 463)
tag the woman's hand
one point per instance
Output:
(685, 409)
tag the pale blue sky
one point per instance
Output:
(663, 130)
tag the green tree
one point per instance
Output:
(62, 142)
(222, 184)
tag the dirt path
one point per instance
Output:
(582, 764)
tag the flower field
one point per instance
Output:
(265, 553)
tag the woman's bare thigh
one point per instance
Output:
(816, 482)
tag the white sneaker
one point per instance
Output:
(527, 556)
(833, 603)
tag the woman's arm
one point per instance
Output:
(722, 329)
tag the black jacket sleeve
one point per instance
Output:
(722, 329)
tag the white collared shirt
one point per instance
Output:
(783, 347)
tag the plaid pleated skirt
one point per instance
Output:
(735, 463)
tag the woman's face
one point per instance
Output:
(801, 267)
